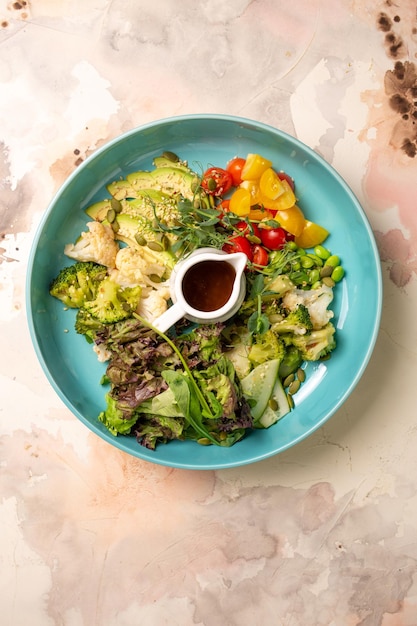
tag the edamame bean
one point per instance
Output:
(317, 260)
(332, 260)
(314, 276)
(306, 262)
(322, 252)
(338, 273)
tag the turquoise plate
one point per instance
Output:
(70, 363)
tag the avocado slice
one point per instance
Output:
(169, 180)
(162, 161)
(121, 189)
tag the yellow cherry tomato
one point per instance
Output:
(253, 187)
(285, 201)
(254, 167)
(240, 202)
(292, 220)
(270, 184)
(312, 235)
(258, 213)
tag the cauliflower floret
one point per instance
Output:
(137, 267)
(97, 245)
(153, 305)
(102, 353)
(316, 301)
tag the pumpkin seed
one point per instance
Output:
(203, 441)
(111, 216)
(328, 280)
(155, 246)
(301, 375)
(273, 404)
(116, 205)
(171, 156)
(326, 270)
(294, 387)
(288, 380)
(140, 239)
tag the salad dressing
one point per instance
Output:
(207, 286)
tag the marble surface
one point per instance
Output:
(324, 534)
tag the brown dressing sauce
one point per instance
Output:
(208, 285)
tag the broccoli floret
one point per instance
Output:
(77, 284)
(267, 347)
(316, 344)
(86, 324)
(291, 362)
(113, 303)
(297, 321)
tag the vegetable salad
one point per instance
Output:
(211, 383)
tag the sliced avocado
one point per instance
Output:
(277, 407)
(121, 189)
(258, 386)
(163, 161)
(98, 210)
(169, 180)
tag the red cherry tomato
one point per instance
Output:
(260, 255)
(273, 238)
(234, 167)
(224, 206)
(288, 178)
(238, 244)
(248, 229)
(216, 181)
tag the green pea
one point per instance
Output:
(332, 260)
(338, 273)
(322, 252)
(295, 265)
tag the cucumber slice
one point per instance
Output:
(272, 415)
(258, 386)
